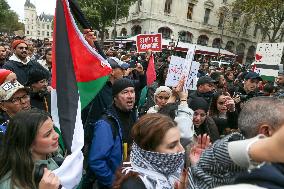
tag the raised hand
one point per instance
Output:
(203, 142)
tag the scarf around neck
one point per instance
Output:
(163, 163)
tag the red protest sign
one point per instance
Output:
(145, 42)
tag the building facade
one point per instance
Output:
(37, 27)
(203, 22)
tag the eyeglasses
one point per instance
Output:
(199, 114)
(17, 100)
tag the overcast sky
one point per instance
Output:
(46, 6)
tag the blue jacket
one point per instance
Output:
(105, 154)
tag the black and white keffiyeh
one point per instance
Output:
(163, 163)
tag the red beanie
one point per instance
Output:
(17, 42)
(3, 75)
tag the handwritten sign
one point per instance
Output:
(146, 42)
(267, 58)
(180, 67)
(192, 76)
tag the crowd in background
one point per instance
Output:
(139, 135)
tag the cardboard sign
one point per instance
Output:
(268, 58)
(180, 67)
(146, 42)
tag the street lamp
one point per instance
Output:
(115, 21)
(222, 34)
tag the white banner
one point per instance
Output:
(268, 55)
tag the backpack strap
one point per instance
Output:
(110, 120)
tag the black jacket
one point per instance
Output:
(268, 176)
(208, 127)
(231, 122)
(21, 70)
(41, 101)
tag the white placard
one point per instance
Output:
(192, 77)
(178, 68)
(268, 58)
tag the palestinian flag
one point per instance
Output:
(78, 74)
(267, 60)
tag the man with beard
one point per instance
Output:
(205, 89)
(111, 134)
(19, 62)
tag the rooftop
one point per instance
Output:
(29, 4)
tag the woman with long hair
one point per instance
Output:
(28, 152)
(223, 112)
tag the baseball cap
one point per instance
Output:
(204, 80)
(252, 75)
(116, 63)
(8, 89)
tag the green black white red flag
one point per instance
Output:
(78, 74)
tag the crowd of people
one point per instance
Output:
(223, 134)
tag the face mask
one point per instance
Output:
(161, 162)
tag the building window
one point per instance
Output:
(190, 11)
(185, 36)
(206, 16)
(32, 27)
(224, 1)
(43, 26)
(28, 32)
(221, 20)
(235, 19)
(38, 32)
(255, 30)
(42, 33)
(246, 25)
(166, 32)
(47, 26)
(202, 40)
(47, 34)
(168, 6)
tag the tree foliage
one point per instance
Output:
(268, 15)
(101, 13)
(9, 20)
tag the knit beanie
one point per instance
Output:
(37, 74)
(198, 103)
(3, 75)
(17, 42)
(121, 84)
(162, 89)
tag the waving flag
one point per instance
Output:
(78, 74)
(151, 72)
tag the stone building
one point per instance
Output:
(202, 22)
(37, 27)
